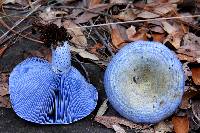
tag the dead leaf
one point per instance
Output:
(186, 97)
(131, 31)
(168, 27)
(126, 15)
(109, 121)
(157, 29)
(158, 37)
(84, 53)
(91, 12)
(147, 15)
(117, 38)
(119, 1)
(184, 57)
(50, 15)
(174, 40)
(196, 75)
(164, 9)
(78, 37)
(94, 3)
(181, 124)
(187, 71)
(3, 84)
(196, 108)
(5, 102)
(163, 127)
(140, 35)
(21, 2)
(191, 46)
(2, 50)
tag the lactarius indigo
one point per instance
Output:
(144, 82)
(51, 93)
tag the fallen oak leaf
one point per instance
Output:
(181, 124)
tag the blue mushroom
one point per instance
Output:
(144, 82)
(51, 93)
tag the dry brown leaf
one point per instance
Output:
(191, 46)
(95, 48)
(78, 37)
(119, 1)
(181, 124)
(163, 127)
(91, 12)
(196, 108)
(131, 31)
(196, 75)
(84, 53)
(2, 50)
(164, 9)
(5, 102)
(140, 35)
(126, 15)
(157, 29)
(174, 39)
(147, 15)
(186, 97)
(3, 84)
(94, 3)
(109, 121)
(21, 2)
(117, 38)
(158, 37)
(50, 15)
(186, 58)
(168, 27)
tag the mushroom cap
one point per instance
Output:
(144, 82)
(40, 95)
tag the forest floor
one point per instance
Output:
(97, 29)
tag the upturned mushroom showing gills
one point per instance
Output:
(51, 93)
(144, 82)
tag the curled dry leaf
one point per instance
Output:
(147, 15)
(181, 124)
(109, 121)
(91, 12)
(163, 127)
(78, 37)
(164, 9)
(117, 35)
(84, 53)
(196, 75)
(157, 29)
(126, 15)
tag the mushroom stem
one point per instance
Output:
(61, 58)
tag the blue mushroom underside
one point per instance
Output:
(39, 95)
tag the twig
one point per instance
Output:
(17, 23)
(103, 41)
